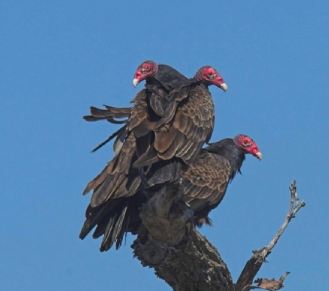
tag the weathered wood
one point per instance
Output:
(258, 258)
(179, 254)
(186, 260)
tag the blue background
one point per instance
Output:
(60, 57)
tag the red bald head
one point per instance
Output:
(146, 70)
(210, 76)
(248, 145)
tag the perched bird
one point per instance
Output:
(202, 184)
(115, 179)
(167, 126)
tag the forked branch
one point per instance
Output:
(244, 282)
(186, 260)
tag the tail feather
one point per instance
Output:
(100, 229)
(113, 229)
(95, 216)
(119, 111)
(111, 114)
(113, 220)
(107, 241)
(119, 229)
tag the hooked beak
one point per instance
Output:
(135, 82)
(259, 155)
(224, 87)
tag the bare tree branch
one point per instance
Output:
(259, 256)
(186, 260)
(270, 284)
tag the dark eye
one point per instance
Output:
(145, 68)
(212, 76)
(246, 143)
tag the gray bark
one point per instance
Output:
(180, 255)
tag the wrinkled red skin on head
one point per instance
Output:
(209, 75)
(248, 145)
(146, 70)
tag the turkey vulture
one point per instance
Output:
(202, 183)
(180, 133)
(160, 133)
(115, 178)
(205, 180)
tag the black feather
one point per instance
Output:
(229, 150)
(117, 133)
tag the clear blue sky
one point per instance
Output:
(60, 57)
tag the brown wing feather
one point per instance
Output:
(164, 139)
(170, 104)
(176, 143)
(117, 180)
(205, 180)
(140, 119)
(114, 177)
(158, 100)
(187, 126)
